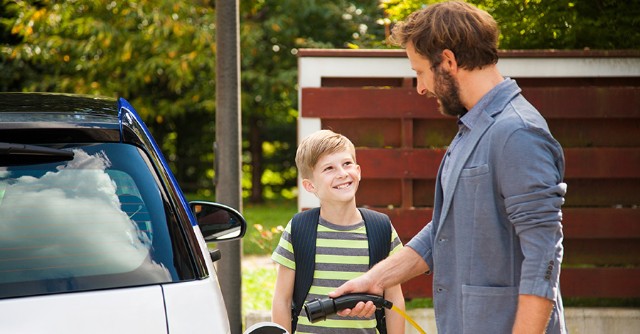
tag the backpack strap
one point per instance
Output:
(378, 227)
(304, 231)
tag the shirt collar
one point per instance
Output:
(470, 118)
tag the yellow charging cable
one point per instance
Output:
(408, 318)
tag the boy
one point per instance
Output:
(327, 165)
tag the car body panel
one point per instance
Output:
(131, 310)
(189, 307)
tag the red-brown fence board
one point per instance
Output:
(574, 282)
(401, 137)
(553, 102)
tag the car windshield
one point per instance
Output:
(96, 221)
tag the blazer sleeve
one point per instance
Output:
(531, 183)
(422, 243)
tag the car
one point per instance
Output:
(96, 235)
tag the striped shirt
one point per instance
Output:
(342, 253)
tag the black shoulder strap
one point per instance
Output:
(378, 227)
(304, 230)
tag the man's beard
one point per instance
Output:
(447, 92)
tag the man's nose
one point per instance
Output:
(421, 89)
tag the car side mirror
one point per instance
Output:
(218, 222)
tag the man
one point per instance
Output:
(494, 244)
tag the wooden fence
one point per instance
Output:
(591, 100)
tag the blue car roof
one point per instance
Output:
(47, 117)
(37, 118)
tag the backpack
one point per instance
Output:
(304, 229)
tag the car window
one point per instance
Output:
(100, 220)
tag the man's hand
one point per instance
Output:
(362, 284)
(396, 269)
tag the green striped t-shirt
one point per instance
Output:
(342, 253)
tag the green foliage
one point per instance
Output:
(546, 24)
(160, 55)
(272, 31)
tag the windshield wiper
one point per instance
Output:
(16, 154)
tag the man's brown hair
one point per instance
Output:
(470, 33)
(313, 147)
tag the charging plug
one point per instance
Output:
(319, 309)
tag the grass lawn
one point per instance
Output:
(265, 224)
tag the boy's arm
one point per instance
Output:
(282, 296)
(395, 322)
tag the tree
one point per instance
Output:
(559, 24)
(272, 31)
(160, 55)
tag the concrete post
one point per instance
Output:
(228, 155)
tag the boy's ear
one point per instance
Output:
(308, 185)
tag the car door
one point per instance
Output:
(121, 311)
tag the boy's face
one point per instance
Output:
(335, 177)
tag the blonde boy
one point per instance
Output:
(327, 165)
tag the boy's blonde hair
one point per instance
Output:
(313, 147)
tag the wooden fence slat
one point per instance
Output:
(574, 282)
(578, 223)
(602, 162)
(602, 252)
(358, 103)
(581, 163)
(601, 223)
(600, 282)
(553, 102)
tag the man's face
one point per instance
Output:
(437, 82)
(447, 92)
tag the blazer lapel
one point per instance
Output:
(480, 127)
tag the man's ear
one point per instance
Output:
(449, 60)
(308, 185)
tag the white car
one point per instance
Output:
(95, 233)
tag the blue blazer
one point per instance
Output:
(496, 228)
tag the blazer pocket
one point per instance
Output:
(488, 309)
(474, 171)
